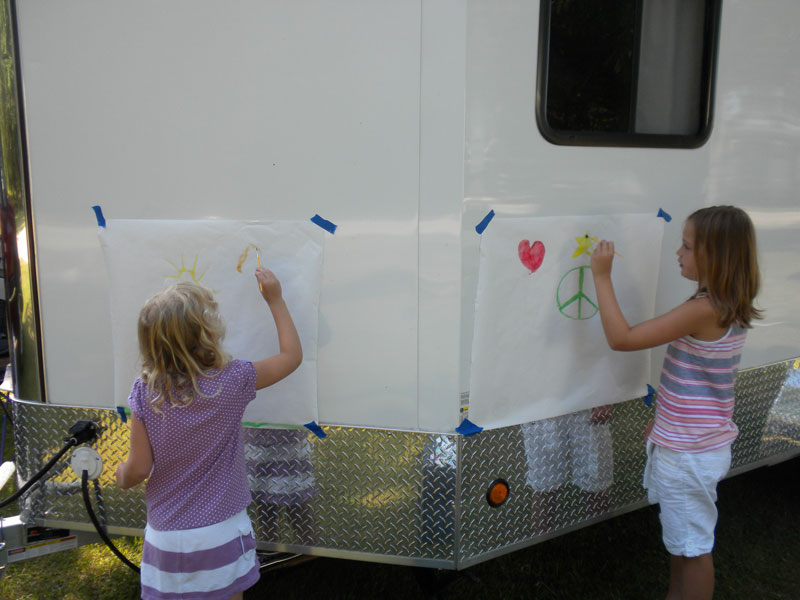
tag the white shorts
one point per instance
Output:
(569, 448)
(684, 484)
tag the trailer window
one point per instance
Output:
(627, 72)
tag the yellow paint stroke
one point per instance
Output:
(179, 271)
(586, 246)
(243, 257)
(796, 364)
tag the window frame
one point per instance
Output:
(711, 36)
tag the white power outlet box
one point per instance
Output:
(86, 459)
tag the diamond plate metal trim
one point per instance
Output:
(762, 388)
(39, 432)
(782, 428)
(544, 499)
(386, 492)
(374, 491)
(767, 414)
(399, 496)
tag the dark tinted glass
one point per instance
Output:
(627, 72)
(589, 87)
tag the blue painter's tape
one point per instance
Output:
(122, 415)
(98, 212)
(315, 429)
(664, 215)
(651, 395)
(483, 224)
(468, 428)
(325, 224)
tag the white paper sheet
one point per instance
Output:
(538, 347)
(144, 256)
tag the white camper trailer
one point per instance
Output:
(420, 137)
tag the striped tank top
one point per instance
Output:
(694, 409)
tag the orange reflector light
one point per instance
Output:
(497, 493)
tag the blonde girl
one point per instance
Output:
(186, 440)
(689, 441)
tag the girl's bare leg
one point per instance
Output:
(691, 578)
(675, 578)
(698, 577)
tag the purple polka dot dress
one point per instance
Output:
(199, 541)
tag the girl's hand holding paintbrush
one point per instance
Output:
(268, 284)
(602, 257)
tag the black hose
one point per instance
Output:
(101, 530)
(70, 443)
(101, 507)
(83, 431)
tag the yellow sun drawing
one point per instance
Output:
(184, 273)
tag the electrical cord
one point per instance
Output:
(101, 530)
(70, 443)
(101, 507)
(82, 431)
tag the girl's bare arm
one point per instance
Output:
(686, 319)
(274, 368)
(139, 463)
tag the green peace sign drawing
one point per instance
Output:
(573, 307)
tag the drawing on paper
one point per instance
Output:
(531, 255)
(183, 270)
(585, 245)
(538, 349)
(578, 305)
(243, 256)
(142, 257)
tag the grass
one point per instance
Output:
(89, 572)
(758, 549)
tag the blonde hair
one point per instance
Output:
(727, 264)
(180, 337)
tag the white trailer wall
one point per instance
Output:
(752, 158)
(403, 122)
(198, 109)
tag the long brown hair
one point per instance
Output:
(180, 337)
(727, 264)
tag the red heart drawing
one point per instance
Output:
(531, 255)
